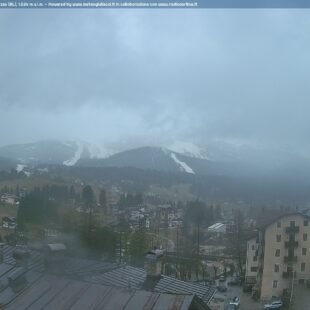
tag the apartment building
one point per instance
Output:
(282, 257)
(251, 267)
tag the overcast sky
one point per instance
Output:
(155, 76)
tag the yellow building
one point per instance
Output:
(283, 255)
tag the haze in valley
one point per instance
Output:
(222, 79)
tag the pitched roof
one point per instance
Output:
(53, 292)
(89, 284)
(265, 225)
(133, 277)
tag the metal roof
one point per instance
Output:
(35, 260)
(216, 227)
(52, 292)
(275, 219)
(16, 273)
(96, 284)
(133, 277)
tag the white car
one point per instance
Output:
(277, 304)
(235, 301)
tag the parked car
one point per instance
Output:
(277, 304)
(235, 281)
(235, 301)
(222, 279)
(222, 288)
(230, 307)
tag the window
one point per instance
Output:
(292, 238)
(305, 237)
(255, 258)
(305, 222)
(254, 269)
(275, 283)
(277, 253)
(302, 266)
(279, 224)
(292, 223)
(278, 238)
(253, 247)
(290, 252)
(276, 268)
(304, 251)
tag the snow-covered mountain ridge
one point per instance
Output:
(218, 158)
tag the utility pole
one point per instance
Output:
(120, 247)
(177, 249)
(198, 251)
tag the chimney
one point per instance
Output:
(54, 255)
(152, 266)
(21, 256)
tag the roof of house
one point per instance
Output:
(272, 221)
(216, 226)
(9, 219)
(91, 284)
(55, 292)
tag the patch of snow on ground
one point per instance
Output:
(188, 149)
(20, 167)
(43, 169)
(72, 161)
(182, 164)
(98, 151)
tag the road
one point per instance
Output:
(301, 299)
(246, 302)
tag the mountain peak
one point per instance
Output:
(189, 149)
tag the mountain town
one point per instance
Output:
(154, 155)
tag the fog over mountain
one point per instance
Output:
(225, 85)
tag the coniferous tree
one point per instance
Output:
(103, 199)
(88, 198)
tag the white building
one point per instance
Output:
(218, 228)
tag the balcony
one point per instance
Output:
(287, 274)
(291, 244)
(290, 259)
(292, 230)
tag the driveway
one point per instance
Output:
(246, 302)
(301, 298)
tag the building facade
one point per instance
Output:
(282, 258)
(251, 267)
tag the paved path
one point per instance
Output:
(301, 298)
(246, 302)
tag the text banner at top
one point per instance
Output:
(189, 4)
